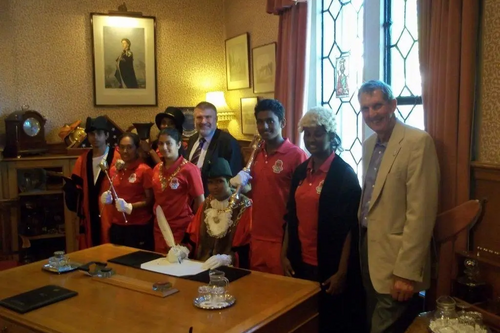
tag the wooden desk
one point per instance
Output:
(264, 302)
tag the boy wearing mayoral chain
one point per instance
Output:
(220, 230)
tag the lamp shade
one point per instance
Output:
(217, 98)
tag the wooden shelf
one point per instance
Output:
(33, 193)
(482, 257)
(54, 166)
(44, 236)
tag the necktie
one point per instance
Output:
(197, 152)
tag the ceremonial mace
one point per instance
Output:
(255, 145)
(119, 165)
(104, 167)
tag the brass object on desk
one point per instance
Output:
(100, 272)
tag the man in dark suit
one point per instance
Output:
(210, 143)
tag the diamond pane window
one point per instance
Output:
(342, 72)
(402, 67)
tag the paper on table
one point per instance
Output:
(163, 266)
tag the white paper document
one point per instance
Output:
(163, 266)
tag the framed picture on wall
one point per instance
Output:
(124, 59)
(188, 128)
(248, 123)
(237, 63)
(264, 68)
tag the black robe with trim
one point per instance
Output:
(337, 216)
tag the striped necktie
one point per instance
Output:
(197, 152)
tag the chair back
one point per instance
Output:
(449, 225)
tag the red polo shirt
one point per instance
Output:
(307, 203)
(271, 181)
(130, 184)
(182, 184)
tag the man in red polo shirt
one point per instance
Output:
(271, 177)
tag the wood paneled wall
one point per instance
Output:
(486, 185)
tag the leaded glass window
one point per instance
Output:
(344, 55)
(402, 67)
(342, 72)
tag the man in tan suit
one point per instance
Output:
(397, 211)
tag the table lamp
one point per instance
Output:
(224, 113)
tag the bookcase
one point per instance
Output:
(34, 219)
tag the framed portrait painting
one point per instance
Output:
(248, 123)
(264, 68)
(124, 58)
(237, 63)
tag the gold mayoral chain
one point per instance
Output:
(164, 182)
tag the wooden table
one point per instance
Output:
(265, 302)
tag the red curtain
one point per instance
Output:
(448, 31)
(279, 6)
(291, 61)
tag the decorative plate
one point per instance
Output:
(201, 303)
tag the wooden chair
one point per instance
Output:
(448, 226)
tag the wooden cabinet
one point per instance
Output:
(485, 240)
(33, 212)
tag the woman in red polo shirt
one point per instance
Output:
(177, 187)
(132, 180)
(321, 241)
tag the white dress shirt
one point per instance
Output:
(204, 149)
(96, 161)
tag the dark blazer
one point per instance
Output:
(222, 145)
(337, 216)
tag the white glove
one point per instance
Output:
(177, 253)
(123, 206)
(217, 261)
(106, 198)
(242, 178)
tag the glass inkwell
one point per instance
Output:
(60, 263)
(469, 286)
